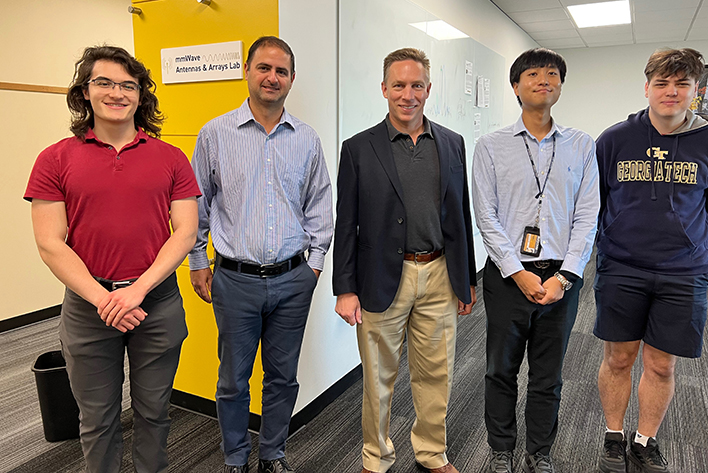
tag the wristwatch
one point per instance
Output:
(564, 282)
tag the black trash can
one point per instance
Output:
(60, 414)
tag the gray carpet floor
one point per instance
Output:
(331, 443)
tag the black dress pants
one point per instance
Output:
(513, 322)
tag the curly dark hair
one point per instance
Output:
(147, 116)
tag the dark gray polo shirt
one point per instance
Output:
(418, 167)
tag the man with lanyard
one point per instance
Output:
(535, 192)
(267, 202)
(117, 188)
(652, 263)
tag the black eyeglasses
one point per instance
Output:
(127, 86)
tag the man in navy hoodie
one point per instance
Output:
(652, 263)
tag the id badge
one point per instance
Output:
(531, 243)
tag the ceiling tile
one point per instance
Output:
(547, 26)
(660, 36)
(555, 34)
(617, 30)
(562, 43)
(510, 6)
(662, 15)
(701, 34)
(594, 44)
(650, 5)
(658, 27)
(699, 30)
(539, 15)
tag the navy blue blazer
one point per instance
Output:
(370, 233)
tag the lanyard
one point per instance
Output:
(539, 196)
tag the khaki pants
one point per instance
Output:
(425, 308)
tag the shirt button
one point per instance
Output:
(270, 205)
(270, 251)
(544, 242)
(270, 182)
(400, 219)
(110, 147)
(543, 219)
(117, 157)
(400, 251)
(268, 159)
(270, 228)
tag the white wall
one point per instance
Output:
(39, 43)
(310, 27)
(604, 85)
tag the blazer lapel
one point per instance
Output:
(381, 144)
(443, 145)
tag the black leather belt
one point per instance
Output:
(263, 270)
(164, 287)
(113, 285)
(543, 264)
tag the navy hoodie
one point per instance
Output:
(653, 197)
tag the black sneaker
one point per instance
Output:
(501, 462)
(538, 463)
(236, 469)
(279, 465)
(649, 459)
(614, 454)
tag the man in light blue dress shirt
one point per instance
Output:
(267, 202)
(536, 200)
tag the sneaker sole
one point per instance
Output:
(636, 462)
(612, 467)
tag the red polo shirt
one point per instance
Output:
(117, 201)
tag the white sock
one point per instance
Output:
(641, 439)
(610, 431)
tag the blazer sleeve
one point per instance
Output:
(346, 227)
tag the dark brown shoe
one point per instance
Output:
(443, 469)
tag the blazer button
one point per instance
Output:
(400, 219)
(400, 251)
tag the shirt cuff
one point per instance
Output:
(198, 260)
(573, 264)
(316, 260)
(509, 266)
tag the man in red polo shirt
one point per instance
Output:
(102, 204)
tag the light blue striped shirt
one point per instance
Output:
(504, 190)
(265, 197)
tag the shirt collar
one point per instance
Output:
(245, 115)
(393, 133)
(519, 128)
(141, 136)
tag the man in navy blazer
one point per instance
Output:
(404, 260)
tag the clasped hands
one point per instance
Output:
(121, 308)
(538, 291)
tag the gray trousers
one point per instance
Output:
(94, 359)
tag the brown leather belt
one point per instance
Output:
(423, 257)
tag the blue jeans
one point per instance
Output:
(274, 311)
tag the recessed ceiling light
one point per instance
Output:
(439, 30)
(601, 14)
